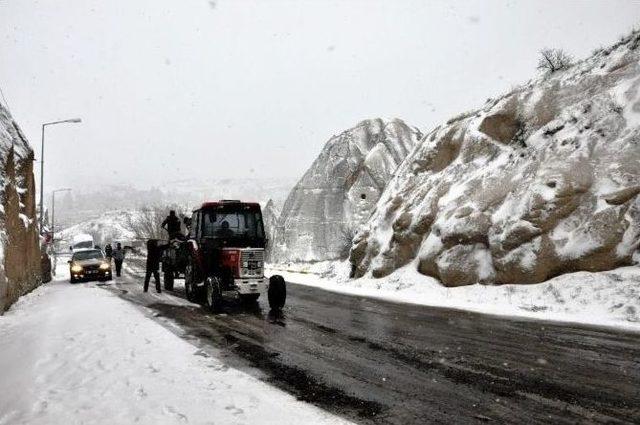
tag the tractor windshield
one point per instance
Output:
(240, 224)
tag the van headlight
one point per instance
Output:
(105, 266)
(76, 268)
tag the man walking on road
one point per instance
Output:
(108, 252)
(153, 264)
(118, 258)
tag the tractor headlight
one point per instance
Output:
(76, 268)
(105, 266)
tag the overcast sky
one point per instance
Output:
(169, 89)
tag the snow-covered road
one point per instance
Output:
(79, 354)
(380, 362)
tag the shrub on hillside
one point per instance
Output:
(553, 60)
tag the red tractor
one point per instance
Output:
(224, 255)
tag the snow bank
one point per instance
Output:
(79, 354)
(541, 181)
(610, 298)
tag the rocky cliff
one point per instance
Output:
(270, 216)
(340, 190)
(541, 181)
(19, 246)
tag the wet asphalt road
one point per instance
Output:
(373, 361)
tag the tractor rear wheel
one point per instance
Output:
(277, 292)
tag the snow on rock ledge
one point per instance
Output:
(340, 190)
(540, 182)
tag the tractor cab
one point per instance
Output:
(227, 223)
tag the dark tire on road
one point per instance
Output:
(277, 292)
(168, 280)
(213, 294)
(190, 290)
(249, 298)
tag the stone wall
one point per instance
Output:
(19, 251)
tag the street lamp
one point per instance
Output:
(72, 120)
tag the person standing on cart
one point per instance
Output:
(172, 225)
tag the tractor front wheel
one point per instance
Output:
(190, 289)
(277, 292)
(213, 294)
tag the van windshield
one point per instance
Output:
(87, 255)
(83, 245)
(245, 224)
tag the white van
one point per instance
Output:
(82, 241)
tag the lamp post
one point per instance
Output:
(72, 120)
(53, 226)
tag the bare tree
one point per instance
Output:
(146, 223)
(347, 233)
(554, 60)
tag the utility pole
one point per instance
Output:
(53, 226)
(53, 212)
(72, 120)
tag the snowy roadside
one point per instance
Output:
(79, 354)
(605, 298)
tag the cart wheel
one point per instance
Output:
(168, 280)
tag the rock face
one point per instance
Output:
(542, 181)
(340, 190)
(19, 246)
(270, 219)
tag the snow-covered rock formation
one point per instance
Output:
(270, 216)
(19, 246)
(541, 181)
(340, 190)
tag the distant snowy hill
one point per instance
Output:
(340, 190)
(538, 182)
(108, 227)
(82, 205)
